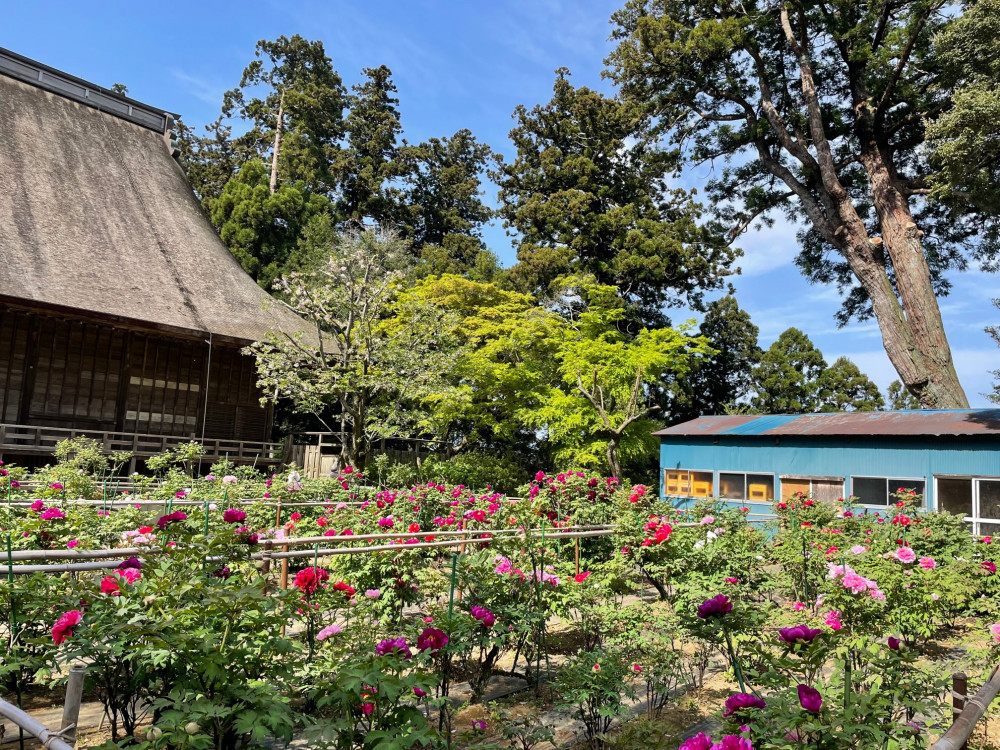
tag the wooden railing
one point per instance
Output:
(17, 438)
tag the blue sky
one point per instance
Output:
(457, 64)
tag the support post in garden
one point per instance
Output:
(959, 693)
(71, 708)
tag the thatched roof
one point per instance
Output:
(96, 215)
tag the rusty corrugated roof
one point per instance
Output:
(937, 422)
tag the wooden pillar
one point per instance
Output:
(959, 694)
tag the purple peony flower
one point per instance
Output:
(132, 562)
(810, 699)
(717, 606)
(799, 634)
(395, 646)
(894, 643)
(740, 702)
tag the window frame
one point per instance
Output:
(976, 519)
(812, 480)
(746, 487)
(922, 480)
(663, 483)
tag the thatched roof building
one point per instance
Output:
(120, 309)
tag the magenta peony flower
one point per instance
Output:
(51, 514)
(419, 692)
(164, 521)
(989, 566)
(799, 634)
(484, 616)
(432, 640)
(37, 506)
(234, 515)
(56, 486)
(717, 606)
(63, 628)
(700, 741)
(740, 702)
(395, 646)
(810, 699)
(733, 742)
(894, 643)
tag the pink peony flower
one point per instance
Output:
(995, 631)
(63, 628)
(833, 619)
(857, 549)
(131, 575)
(904, 555)
(51, 514)
(328, 631)
(928, 563)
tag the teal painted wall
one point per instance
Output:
(912, 459)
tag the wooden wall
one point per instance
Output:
(83, 374)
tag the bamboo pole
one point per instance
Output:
(958, 735)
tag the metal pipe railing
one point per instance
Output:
(49, 738)
(957, 737)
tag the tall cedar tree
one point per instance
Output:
(724, 378)
(298, 120)
(368, 168)
(819, 109)
(587, 193)
(444, 198)
(793, 378)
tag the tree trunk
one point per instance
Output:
(277, 143)
(616, 469)
(920, 353)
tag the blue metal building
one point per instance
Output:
(951, 457)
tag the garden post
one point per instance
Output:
(265, 567)
(959, 691)
(71, 709)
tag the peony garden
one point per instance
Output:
(237, 609)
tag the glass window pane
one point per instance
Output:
(895, 485)
(954, 496)
(676, 482)
(869, 490)
(989, 529)
(701, 484)
(989, 498)
(760, 488)
(731, 486)
(827, 492)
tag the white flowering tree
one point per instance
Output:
(373, 358)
